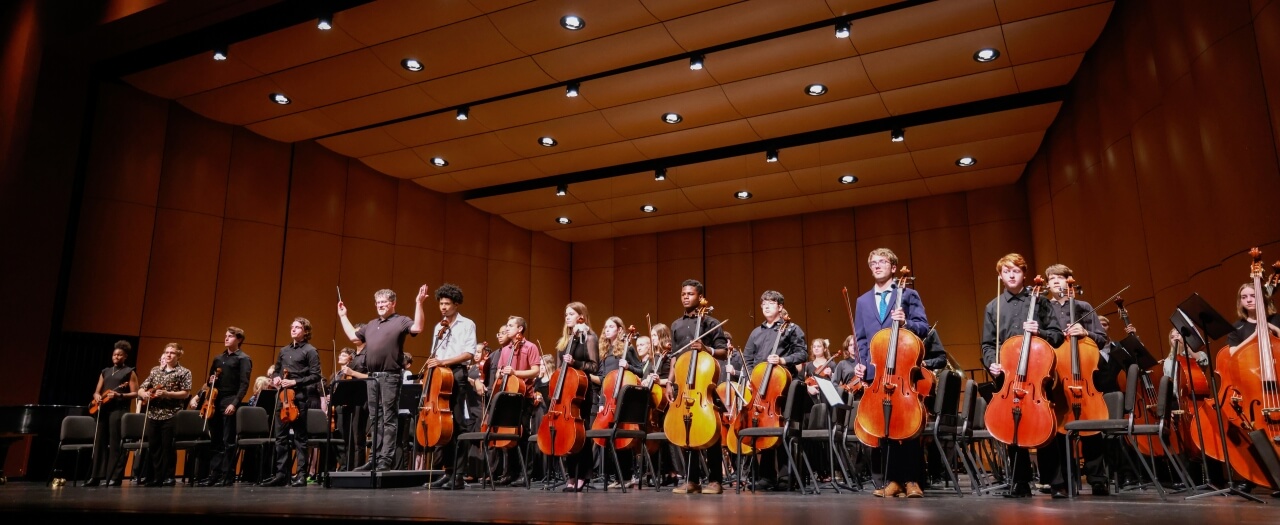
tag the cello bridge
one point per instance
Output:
(1271, 415)
(1019, 393)
(1076, 390)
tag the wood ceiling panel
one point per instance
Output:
(760, 210)
(643, 84)
(447, 50)
(969, 181)
(523, 201)
(340, 78)
(588, 158)
(705, 137)
(1014, 10)
(439, 183)
(433, 128)
(845, 7)
(628, 207)
(921, 23)
(1055, 35)
(485, 82)
(1047, 73)
(786, 90)
(869, 195)
(497, 174)
(493, 6)
(743, 20)
(990, 153)
(698, 108)
(573, 132)
(381, 107)
(633, 184)
(295, 127)
(870, 172)
(608, 53)
(981, 127)
(401, 163)
(950, 92)
(536, 107)
(466, 152)
(822, 116)
(763, 188)
(535, 27)
(587, 233)
(545, 218)
(780, 54)
(938, 59)
(385, 20)
(242, 102)
(294, 46)
(858, 148)
(662, 222)
(670, 9)
(192, 75)
(362, 143)
(720, 170)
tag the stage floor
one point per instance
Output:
(28, 502)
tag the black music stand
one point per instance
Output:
(347, 393)
(406, 412)
(1138, 352)
(1193, 313)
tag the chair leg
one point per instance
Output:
(1070, 474)
(792, 446)
(617, 467)
(54, 471)
(1155, 481)
(946, 463)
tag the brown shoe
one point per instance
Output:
(712, 488)
(913, 490)
(889, 491)
(688, 487)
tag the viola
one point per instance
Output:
(284, 398)
(505, 383)
(691, 421)
(562, 431)
(855, 384)
(735, 397)
(435, 418)
(611, 390)
(210, 406)
(1077, 360)
(1021, 414)
(657, 393)
(891, 406)
(769, 381)
(107, 397)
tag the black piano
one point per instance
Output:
(44, 424)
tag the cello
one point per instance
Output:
(611, 390)
(769, 382)
(562, 432)
(1077, 360)
(1021, 414)
(435, 417)
(691, 421)
(891, 407)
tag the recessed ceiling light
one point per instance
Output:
(219, 54)
(463, 113)
(411, 64)
(842, 30)
(814, 90)
(571, 90)
(742, 195)
(986, 55)
(572, 22)
(672, 118)
(771, 155)
(563, 220)
(325, 23)
(648, 208)
(695, 62)
(660, 174)
(898, 135)
(279, 98)
(561, 190)
(439, 162)
(848, 179)
(965, 162)
(547, 142)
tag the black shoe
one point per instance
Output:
(279, 480)
(1101, 489)
(439, 483)
(112, 483)
(1019, 490)
(1276, 494)
(169, 482)
(502, 480)
(206, 482)
(299, 481)
(91, 482)
(764, 485)
(1059, 493)
(783, 485)
(517, 481)
(453, 484)
(152, 484)
(365, 467)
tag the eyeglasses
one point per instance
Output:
(879, 262)
(381, 303)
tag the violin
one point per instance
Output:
(891, 407)
(769, 381)
(435, 417)
(1077, 360)
(210, 406)
(691, 421)
(562, 431)
(505, 383)
(107, 397)
(611, 390)
(285, 396)
(1021, 414)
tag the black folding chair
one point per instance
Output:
(947, 424)
(633, 409)
(507, 410)
(131, 439)
(796, 408)
(318, 436)
(1119, 425)
(253, 429)
(76, 436)
(189, 435)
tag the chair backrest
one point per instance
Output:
(633, 405)
(1130, 391)
(1116, 403)
(1166, 396)
(131, 426)
(317, 423)
(77, 429)
(507, 410)
(979, 421)
(188, 425)
(799, 402)
(251, 422)
(946, 399)
(970, 405)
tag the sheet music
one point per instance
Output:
(829, 392)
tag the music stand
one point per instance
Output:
(1138, 352)
(347, 393)
(1191, 313)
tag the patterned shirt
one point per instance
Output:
(177, 379)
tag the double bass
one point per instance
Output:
(1021, 414)
(611, 393)
(691, 421)
(435, 417)
(562, 432)
(891, 407)
(769, 382)
(1077, 360)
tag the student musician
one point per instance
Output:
(875, 311)
(683, 332)
(1014, 303)
(232, 370)
(519, 358)
(164, 389)
(791, 352)
(614, 355)
(578, 348)
(454, 351)
(122, 381)
(301, 361)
